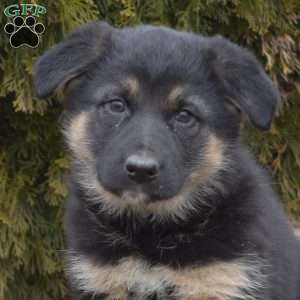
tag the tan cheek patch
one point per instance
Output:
(213, 160)
(216, 281)
(75, 133)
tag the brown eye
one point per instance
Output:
(117, 106)
(184, 117)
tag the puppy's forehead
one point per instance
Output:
(155, 52)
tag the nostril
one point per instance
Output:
(152, 171)
(130, 169)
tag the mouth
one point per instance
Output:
(140, 194)
(135, 196)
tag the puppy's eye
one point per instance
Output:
(116, 105)
(185, 117)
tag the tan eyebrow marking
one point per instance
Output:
(132, 85)
(174, 96)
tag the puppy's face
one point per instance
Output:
(154, 116)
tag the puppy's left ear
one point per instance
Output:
(245, 82)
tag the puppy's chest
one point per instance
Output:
(134, 278)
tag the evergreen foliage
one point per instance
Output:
(33, 160)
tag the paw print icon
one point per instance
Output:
(24, 32)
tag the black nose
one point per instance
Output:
(141, 168)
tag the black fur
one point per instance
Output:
(243, 217)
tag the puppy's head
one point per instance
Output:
(153, 114)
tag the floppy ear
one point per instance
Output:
(70, 58)
(245, 82)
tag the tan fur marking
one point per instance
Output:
(75, 133)
(213, 160)
(216, 281)
(132, 85)
(175, 93)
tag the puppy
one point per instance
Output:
(165, 202)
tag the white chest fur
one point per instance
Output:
(238, 279)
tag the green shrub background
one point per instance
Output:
(33, 159)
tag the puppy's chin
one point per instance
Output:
(135, 196)
(138, 195)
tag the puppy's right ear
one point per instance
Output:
(71, 58)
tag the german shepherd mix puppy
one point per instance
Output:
(165, 201)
